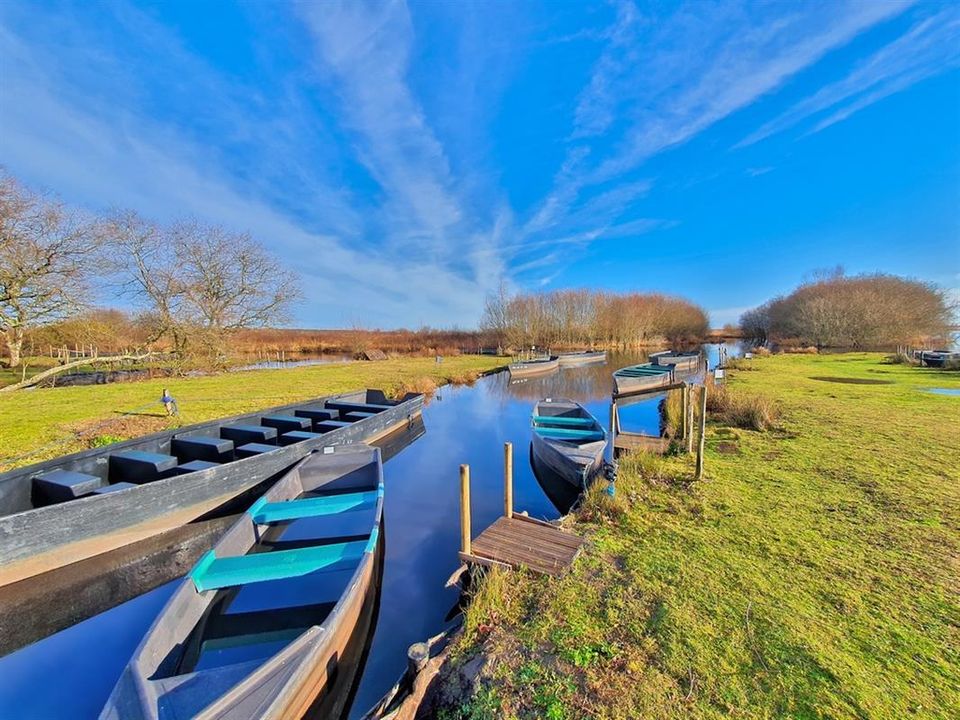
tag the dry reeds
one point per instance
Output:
(738, 409)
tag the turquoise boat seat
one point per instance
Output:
(557, 420)
(264, 512)
(212, 573)
(569, 434)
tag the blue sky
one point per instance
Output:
(405, 157)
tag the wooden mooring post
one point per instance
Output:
(702, 431)
(465, 530)
(508, 480)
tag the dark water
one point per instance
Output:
(70, 674)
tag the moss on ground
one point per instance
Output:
(814, 573)
(42, 423)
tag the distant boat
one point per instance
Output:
(525, 368)
(77, 506)
(583, 357)
(568, 440)
(260, 626)
(683, 361)
(637, 378)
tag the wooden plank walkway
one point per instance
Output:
(625, 441)
(521, 541)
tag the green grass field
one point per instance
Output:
(43, 423)
(813, 573)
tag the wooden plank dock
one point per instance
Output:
(514, 540)
(520, 541)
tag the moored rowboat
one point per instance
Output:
(638, 378)
(568, 440)
(527, 368)
(259, 627)
(683, 361)
(584, 357)
(78, 506)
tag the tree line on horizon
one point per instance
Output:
(590, 318)
(863, 311)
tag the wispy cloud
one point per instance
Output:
(930, 47)
(672, 79)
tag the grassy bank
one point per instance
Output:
(50, 422)
(814, 573)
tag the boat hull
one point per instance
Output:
(576, 467)
(630, 385)
(50, 537)
(534, 367)
(584, 358)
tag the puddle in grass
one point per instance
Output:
(953, 392)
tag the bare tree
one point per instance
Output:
(199, 283)
(46, 256)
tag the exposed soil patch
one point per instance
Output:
(121, 428)
(727, 448)
(851, 381)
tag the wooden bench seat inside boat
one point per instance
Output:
(251, 449)
(343, 407)
(570, 434)
(61, 485)
(201, 447)
(325, 426)
(196, 465)
(138, 466)
(315, 414)
(295, 436)
(286, 423)
(249, 433)
(356, 415)
(113, 488)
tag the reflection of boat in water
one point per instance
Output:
(568, 440)
(561, 494)
(260, 626)
(583, 357)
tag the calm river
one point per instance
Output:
(70, 674)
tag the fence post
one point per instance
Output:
(684, 399)
(508, 480)
(465, 509)
(703, 431)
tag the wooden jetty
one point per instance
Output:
(625, 440)
(514, 540)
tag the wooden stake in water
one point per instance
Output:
(508, 480)
(465, 509)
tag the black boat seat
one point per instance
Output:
(295, 436)
(199, 447)
(113, 488)
(314, 414)
(326, 426)
(251, 449)
(138, 466)
(285, 423)
(61, 485)
(357, 415)
(195, 465)
(343, 406)
(249, 433)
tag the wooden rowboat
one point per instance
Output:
(568, 440)
(259, 627)
(640, 378)
(526, 368)
(682, 361)
(584, 357)
(78, 506)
